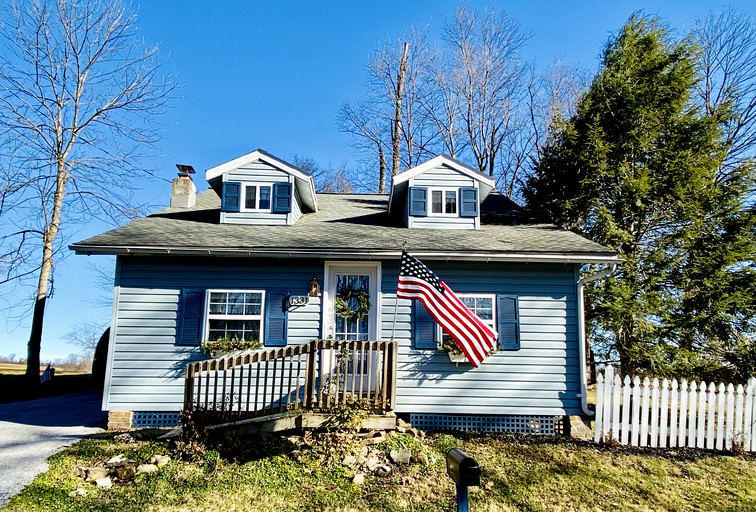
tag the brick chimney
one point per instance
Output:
(183, 191)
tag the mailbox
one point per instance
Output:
(461, 468)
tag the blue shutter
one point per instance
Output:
(418, 198)
(275, 319)
(281, 197)
(190, 319)
(509, 322)
(231, 196)
(468, 202)
(424, 334)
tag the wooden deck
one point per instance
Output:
(305, 381)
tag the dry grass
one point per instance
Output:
(518, 473)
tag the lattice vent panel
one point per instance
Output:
(546, 425)
(155, 419)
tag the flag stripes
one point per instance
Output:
(417, 282)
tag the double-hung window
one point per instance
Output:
(257, 198)
(235, 315)
(443, 201)
(498, 311)
(484, 306)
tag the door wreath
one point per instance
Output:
(343, 303)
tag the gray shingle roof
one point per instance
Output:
(346, 223)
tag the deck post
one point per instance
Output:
(189, 387)
(312, 354)
(391, 370)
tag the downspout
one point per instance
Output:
(581, 333)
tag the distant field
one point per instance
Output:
(20, 368)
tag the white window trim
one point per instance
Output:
(207, 317)
(243, 198)
(443, 202)
(494, 313)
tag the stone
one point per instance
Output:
(364, 451)
(421, 459)
(159, 460)
(125, 473)
(80, 471)
(146, 468)
(359, 479)
(373, 440)
(401, 423)
(400, 456)
(372, 463)
(126, 437)
(383, 470)
(401, 430)
(415, 432)
(94, 474)
(118, 460)
(104, 483)
(349, 460)
(77, 492)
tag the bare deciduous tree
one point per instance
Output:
(727, 65)
(78, 92)
(488, 77)
(392, 119)
(85, 335)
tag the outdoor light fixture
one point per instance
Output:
(185, 170)
(314, 287)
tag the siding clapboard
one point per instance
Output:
(147, 371)
(256, 172)
(541, 378)
(443, 176)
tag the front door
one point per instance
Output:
(347, 286)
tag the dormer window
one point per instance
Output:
(443, 201)
(257, 197)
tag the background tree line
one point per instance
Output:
(652, 157)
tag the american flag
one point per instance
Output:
(416, 281)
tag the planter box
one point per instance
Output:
(457, 358)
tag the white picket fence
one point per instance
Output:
(715, 417)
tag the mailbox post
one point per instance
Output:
(464, 470)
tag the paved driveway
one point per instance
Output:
(32, 431)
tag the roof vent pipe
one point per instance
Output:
(183, 190)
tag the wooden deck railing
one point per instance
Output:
(315, 377)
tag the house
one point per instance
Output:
(226, 263)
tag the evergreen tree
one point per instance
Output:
(635, 169)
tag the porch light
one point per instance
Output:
(314, 287)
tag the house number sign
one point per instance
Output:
(299, 300)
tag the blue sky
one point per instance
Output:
(273, 75)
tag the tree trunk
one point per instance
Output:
(395, 135)
(381, 170)
(45, 273)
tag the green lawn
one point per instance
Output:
(518, 473)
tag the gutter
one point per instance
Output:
(581, 332)
(367, 254)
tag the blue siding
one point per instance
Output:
(147, 371)
(541, 378)
(257, 172)
(443, 176)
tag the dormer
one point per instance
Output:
(442, 193)
(258, 188)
